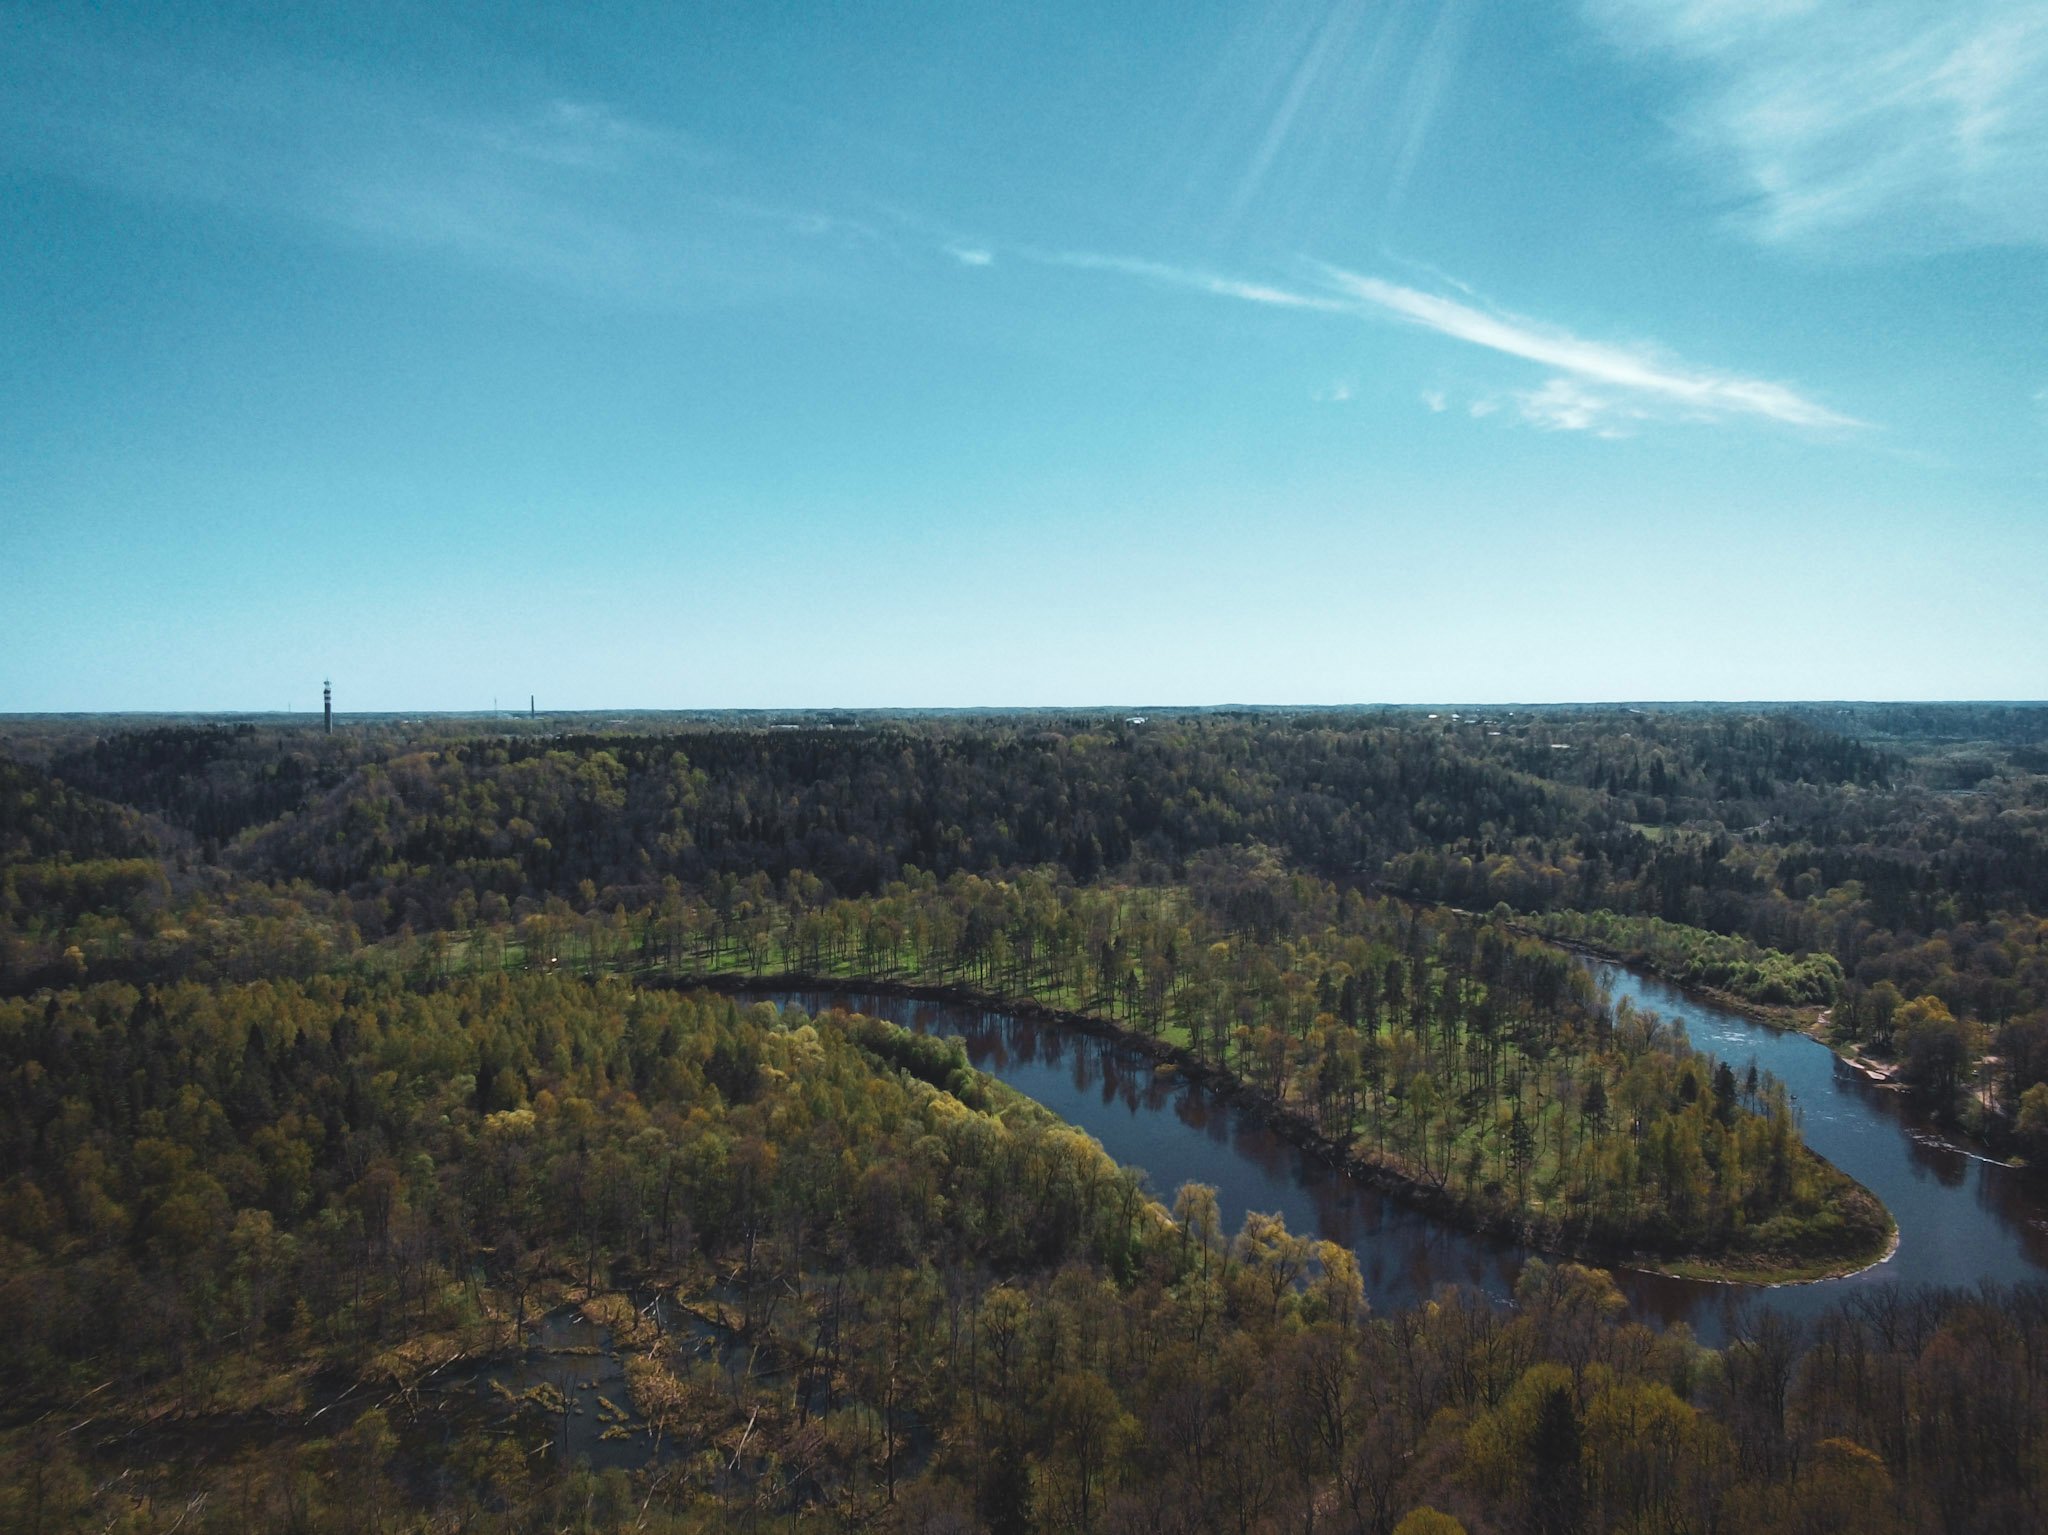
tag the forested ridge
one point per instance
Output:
(330, 1063)
(1901, 855)
(1456, 1063)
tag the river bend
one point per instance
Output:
(1962, 1219)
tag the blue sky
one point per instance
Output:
(705, 355)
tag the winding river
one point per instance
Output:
(1962, 1219)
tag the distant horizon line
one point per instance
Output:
(313, 716)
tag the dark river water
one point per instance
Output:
(1961, 1219)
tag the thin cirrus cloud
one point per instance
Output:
(1599, 386)
(1859, 125)
(571, 194)
(1185, 277)
(1604, 382)
(1323, 105)
(1567, 405)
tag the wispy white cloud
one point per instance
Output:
(1436, 400)
(1861, 125)
(568, 192)
(1320, 112)
(1562, 405)
(1639, 372)
(1566, 405)
(1602, 381)
(1186, 277)
(1339, 393)
(971, 255)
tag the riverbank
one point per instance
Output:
(1855, 1207)
(1793, 1020)
(1811, 1023)
(1786, 1019)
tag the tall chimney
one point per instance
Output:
(327, 707)
(531, 712)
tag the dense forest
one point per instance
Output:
(1851, 858)
(889, 1302)
(1442, 1054)
(333, 1064)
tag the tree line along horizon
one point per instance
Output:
(316, 1046)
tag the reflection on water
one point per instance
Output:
(1180, 1132)
(1961, 1218)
